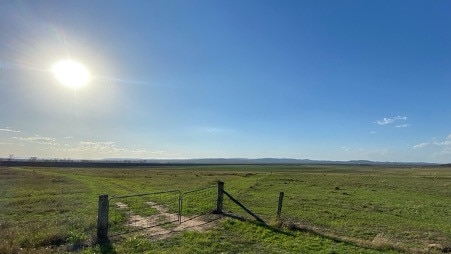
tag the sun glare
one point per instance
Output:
(71, 73)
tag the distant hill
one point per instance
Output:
(128, 162)
(227, 161)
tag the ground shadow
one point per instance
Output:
(260, 224)
(106, 247)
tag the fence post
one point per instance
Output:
(180, 207)
(102, 219)
(279, 207)
(220, 197)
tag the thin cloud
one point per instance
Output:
(38, 139)
(445, 147)
(443, 143)
(446, 142)
(387, 120)
(106, 148)
(384, 121)
(9, 129)
(442, 147)
(402, 126)
(211, 129)
(95, 146)
(349, 149)
(421, 145)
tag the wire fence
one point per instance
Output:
(164, 212)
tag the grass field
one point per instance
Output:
(327, 209)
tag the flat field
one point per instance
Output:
(326, 209)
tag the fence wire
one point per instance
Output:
(198, 202)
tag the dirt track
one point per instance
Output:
(164, 224)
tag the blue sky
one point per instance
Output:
(332, 80)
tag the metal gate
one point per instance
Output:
(131, 213)
(154, 211)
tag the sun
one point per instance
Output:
(71, 73)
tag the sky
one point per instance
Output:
(321, 80)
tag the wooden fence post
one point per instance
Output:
(279, 207)
(220, 197)
(180, 207)
(102, 219)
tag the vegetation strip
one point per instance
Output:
(44, 210)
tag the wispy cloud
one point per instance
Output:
(402, 125)
(441, 147)
(38, 139)
(421, 145)
(9, 129)
(349, 149)
(211, 129)
(443, 143)
(445, 146)
(89, 145)
(109, 148)
(391, 120)
(68, 146)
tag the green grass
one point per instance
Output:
(232, 236)
(54, 210)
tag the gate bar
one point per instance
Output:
(245, 208)
(144, 194)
